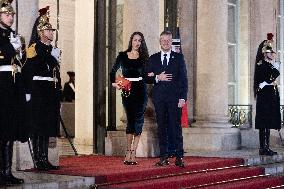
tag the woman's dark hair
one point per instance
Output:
(143, 50)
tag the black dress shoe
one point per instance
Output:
(9, 180)
(271, 151)
(179, 162)
(162, 162)
(126, 162)
(50, 166)
(262, 151)
(134, 162)
(266, 152)
(41, 166)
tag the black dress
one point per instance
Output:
(135, 103)
(12, 97)
(267, 99)
(45, 94)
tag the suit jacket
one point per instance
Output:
(168, 90)
(68, 92)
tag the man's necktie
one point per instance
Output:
(165, 60)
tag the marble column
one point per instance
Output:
(152, 10)
(262, 21)
(187, 11)
(212, 130)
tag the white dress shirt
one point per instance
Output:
(168, 56)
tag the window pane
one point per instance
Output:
(232, 1)
(278, 41)
(231, 94)
(232, 63)
(231, 24)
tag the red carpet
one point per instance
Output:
(110, 172)
(111, 168)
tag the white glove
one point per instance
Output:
(15, 41)
(56, 53)
(276, 65)
(28, 97)
(261, 85)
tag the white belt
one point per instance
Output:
(263, 84)
(134, 79)
(9, 68)
(40, 78)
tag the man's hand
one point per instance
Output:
(181, 103)
(164, 77)
(15, 41)
(56, 53)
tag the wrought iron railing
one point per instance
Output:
(282, 115)
(240, 115)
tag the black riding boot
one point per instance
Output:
(262, 150)
(267, 137)
(7, 154)
(45, 155)
(37, 147)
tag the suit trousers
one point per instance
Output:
(168, 117)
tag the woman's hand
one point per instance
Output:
(116, 85)
(151, 74)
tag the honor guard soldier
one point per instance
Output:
(12, 96)
(43, 91)
(266, 92)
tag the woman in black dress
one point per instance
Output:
(267, 97)
(132, 62)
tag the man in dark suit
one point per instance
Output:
(169, 95)
(69, 88)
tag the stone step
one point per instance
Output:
(65, 147)
(264, 160)
(48, 181)
(274, 169)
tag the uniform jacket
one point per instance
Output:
(267, 98)
(45, 95)
(12, 99)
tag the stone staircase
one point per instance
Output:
(52, 181)
(273, 165)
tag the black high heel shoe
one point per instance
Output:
(127, 158)
(133, 157)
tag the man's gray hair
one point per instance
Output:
(166, 33)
